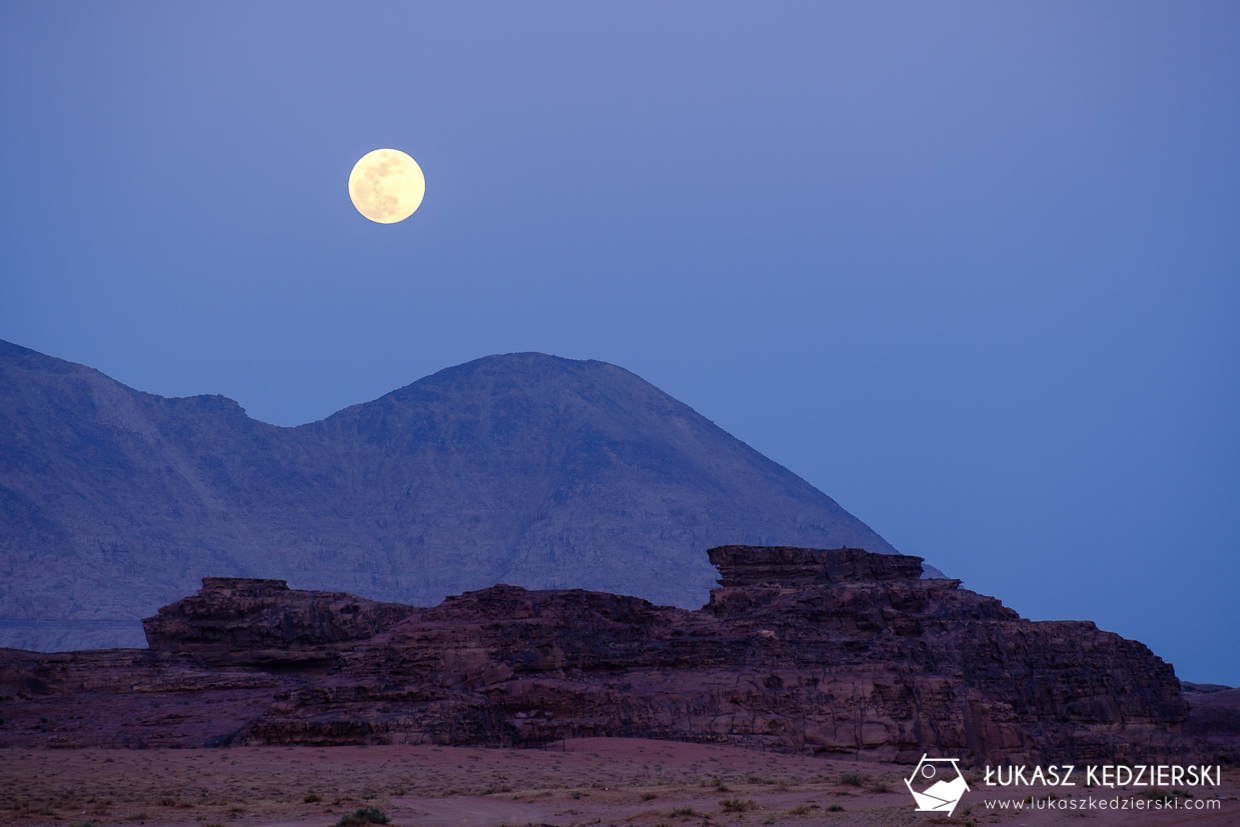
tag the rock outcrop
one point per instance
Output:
(130, 698)
(822, 651)
(234, 621)
(790, 567)
(1214, 717)
(835, 651)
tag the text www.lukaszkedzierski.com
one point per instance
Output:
(1161, 802)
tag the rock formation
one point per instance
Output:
(134, 698)
(1214, 717)
(824, 651)
(233, 621)
(524, 468)
(836, 651)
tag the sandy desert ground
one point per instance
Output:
(604, 781)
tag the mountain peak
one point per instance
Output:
(524, 468)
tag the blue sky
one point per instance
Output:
(973, 269)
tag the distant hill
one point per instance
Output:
(524, 469)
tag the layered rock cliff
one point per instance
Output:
(234, 621)
(822, 651)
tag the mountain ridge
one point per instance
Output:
(522, 468)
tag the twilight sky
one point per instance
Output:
(972, 269)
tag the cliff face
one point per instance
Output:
(127, 698)
(523, 468)
(822, 651)
(818, 650)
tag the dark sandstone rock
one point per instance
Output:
(1214, 715)
(834, 651)
(234, 621)
(825, 651)
(127, 698)
(793, 567)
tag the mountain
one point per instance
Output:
(524, 469)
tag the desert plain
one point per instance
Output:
(586, 781)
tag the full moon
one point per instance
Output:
(386, 185)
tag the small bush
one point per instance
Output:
(312, 798)
(683, 812)
(648, 796)
(852, 779)
(736, 805)
(880, 787)
(364, 815)
(835, 808)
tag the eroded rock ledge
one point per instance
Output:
(817, 650)
(787, 566)
(235, 621)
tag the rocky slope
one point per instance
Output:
(821, 651)
(526, 469)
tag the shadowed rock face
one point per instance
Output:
(835, 651)
(233, 621)
(821, 650)
(786, 566)
(1215, 715)
(525, 469)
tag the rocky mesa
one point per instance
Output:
(835, 651)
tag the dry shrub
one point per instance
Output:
(365, 815)
(737, 805)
